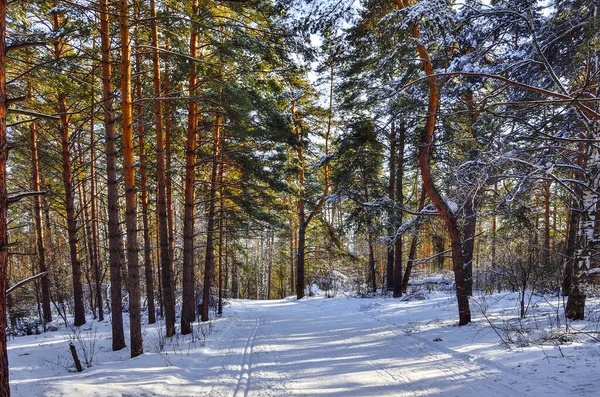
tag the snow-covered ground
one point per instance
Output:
(330, 347)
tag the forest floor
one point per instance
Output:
(330, 347)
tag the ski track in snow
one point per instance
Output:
(315, 347)
(243, 385)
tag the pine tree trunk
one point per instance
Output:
(399, 194)
(79, 315)
(292, 255)
(65, 139)
(209, 264)
(269, 263)
(4, 386)
(148, 269)
(412, 253)
(188, 312)
(165, 260)
(94, 217)
(135, 325)
(39, 228)
(546, 246)
(468, 246)
(392, 224)
(115, 244)
(300, 251)
(425, 142)
(372, 271)
(221, 227)
(87, 232)
(168, 118)
(570, 246)
(585, 237)
(572, 225)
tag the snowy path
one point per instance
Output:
(315, 347)
(317, 351)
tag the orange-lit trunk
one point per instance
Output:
(148, 270)
(188, 312)
(425, 142)
(165, 260)
(221, 223)
(135, 327)
(4, 386)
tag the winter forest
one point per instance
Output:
(301, 197)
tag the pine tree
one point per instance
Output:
(4, 385)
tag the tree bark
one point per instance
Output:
(412, 253)
(39, 228)
(4, 385)
(575, 309)
(573, 224)
(148, 269)
(165, 260)
(221, 235)
(115, 244)
(65, 140)
(209, 264)
(168, 168)
(392, 224)
(468, 245)
(94, 216)
(398, 216)
(425, 142)
(188, 311)
(546, 246)
(87, 231)
(135, 327)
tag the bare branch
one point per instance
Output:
(25, 281)
(34, 114)
(19, 196)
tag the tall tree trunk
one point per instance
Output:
(292, 244)
(39, 228)
(148, 269)
(4, 386)
(300, 251)
(587, 245)
(546, 246)
(468, 246)
(188, 312)
(168, 169)
(573, 224)
(235, 286)
(270, 242)
(392, 224)
(94, 216)
(412, 252)
(221, 226)
(115, 243)
(133, 282)
(163, 230)
(87, 231)
(442, 206)
(575, 309)
(209, 264)
(372, 271)
(399, 185)
(65, 139)
(494, 230)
